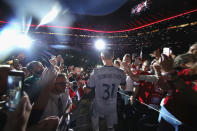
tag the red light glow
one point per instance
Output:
(117, 31)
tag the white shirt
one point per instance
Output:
(52, 105)
(129, 84)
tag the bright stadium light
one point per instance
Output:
(5, 40)
(11, 38)
(51, 15)
(100, 45)
(23, 41)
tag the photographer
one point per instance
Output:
(30, 84)
(13, 117)
(17, 120)
(59, 100)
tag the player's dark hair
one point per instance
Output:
(107, 54)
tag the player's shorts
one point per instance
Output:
(110, 119)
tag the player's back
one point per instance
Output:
(107, 81)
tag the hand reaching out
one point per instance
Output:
(53, 61)
(157, 69)
(17, 120)
(166, 63)
(131, 100)
(48, 77)
(24, 110)
(46, 82)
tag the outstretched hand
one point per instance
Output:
(46, 81)
(157, 69)
(24, 109)
(53, 61)
(166, 63)
(17, 120)
(48, 77)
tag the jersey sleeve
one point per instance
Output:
(123, 79)
(91, 82)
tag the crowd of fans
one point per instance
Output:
(158, 95)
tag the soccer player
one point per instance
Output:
(105, 81)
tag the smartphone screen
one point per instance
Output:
(14, 90)
(166, 51)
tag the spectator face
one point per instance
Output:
(127, 59)
(21, 56)
(27, 73)
(60, 84)
(116, 65)
(189, 64)
(77, 70)
(185, 61)
(145, 66)
(38, 69)
(156, 53)
(193, 49)
(70, 68)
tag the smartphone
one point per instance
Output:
(166, 51)
(15, 62)
(14, 89)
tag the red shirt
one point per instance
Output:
(148, 92)
(183, 74)
(179, 106)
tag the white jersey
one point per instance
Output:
(105, 81)
(52, 105)
(129, 84)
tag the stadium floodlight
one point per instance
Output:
(11, 38)
(6, 40)
(100, 45)
(23, 41)
(51, 15)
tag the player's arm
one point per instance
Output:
(91, 83)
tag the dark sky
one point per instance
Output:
(113, 16)
(93, 7)
(110, 14)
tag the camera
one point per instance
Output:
(12, 92)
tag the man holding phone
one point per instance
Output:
(18, 114)
(11, 82)
(35, 68)
(14, 89)
(59, 100)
